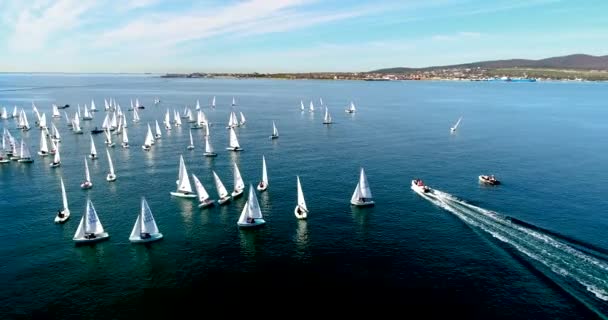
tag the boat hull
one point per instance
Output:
(234, 149)
(262, 188)
(300, 214)
(205, 204)
(223, 200)
(487, 181)
(86, 185)
(111, 177)
(237, 193)
(55, 165)
(183, 195)
(66, 216)
(98, 237)
(43, 154)
(153, 237)
(25, 160)
(92, 157)
(362, 203)
(256, 223)
(210, 154)
(190, 147)
(421, 189)
(5, 161)
(274, 137)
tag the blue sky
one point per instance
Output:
(289, 35)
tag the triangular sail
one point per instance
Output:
(234, 142)
(356, 194)
(64, 196)
(275, 132)
(244, 213)
(183, 184)
(87, 175)
(200, 189)
(301, 201)
(110, 161)
(365, 191)
(148, 224)
(238, 180)
(208, 146)
(158, 132)
(253, 205)
(92, 223)
(136, 231)
(191, 140)
(264, 172)
(57, 157)
(125, 138)
(93, 150)
(221, 189)
(44, 147)
(457, 123)
(25, 151)
(327, 118)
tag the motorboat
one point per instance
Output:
(97, 130)
(420, 187)
(491, 180)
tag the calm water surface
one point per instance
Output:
(461, 252)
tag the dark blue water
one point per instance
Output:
(545, 141)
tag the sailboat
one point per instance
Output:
(135, 116)
(167, 120)
(93, 154)
(311, 107)
(327, 118)
(87, 184)
(90, 228)
(362, 196)
(213, 103)
(234, 142)
(242, 122)
(221, 190)
(111, 175)
(453, 129)
(125, 138)
(203, 195)
(149, 140)
(351, 108)
(44, 147)
(239, 185)
(184, 188)
(109, 141)
(209, 148)
(251, 216)
(93, 108)
(263, 185)
(158, 133)
(24, 154)
(64, 213)
(56, 159)
(55, 136)
(191, 146)
(301, 105)
(233, 102)
(301, 211)
(145, 228)
(275, 132)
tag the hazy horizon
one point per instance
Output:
(273, 36)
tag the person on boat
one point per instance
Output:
(59, 214)
(144, 235)
(261, 184)
(250, 220)
(89, 236)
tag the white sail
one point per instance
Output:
(234, 142)
(93, 108)
(183, 184)
(76, 125)
(113, 121)
(24, 153)
(87, 114)
(56, 113)
(42, 123)
(64, 197)
(167, 120)
(208, 146)
(264, 172)
(327, 118)
(56, 134)
(57, 157)
(275, 132)
(238, 180)
(213, 102)
(149, 141)
(242, 122)
(301, 105)
(135, 116)
(301, 201)
(253, 205)
(311, 107)
(221, 189)
(87, 175)
(92, 223)
(110, 162)
(200, 190)
(93, 149)
(125, 138)
(44, 148)
(191, 140)
(158, 133)
(148, 224)
(108, 137)
(178, 120)
(356, 194)
(364, 188)
(233, 102)
(456, 125)
(198, 105)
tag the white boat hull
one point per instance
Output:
(190, 147)
(205, 204)
(25, 160)
(223, 200)
(55, 165)
(98, 237)
(300, 214)
(362, 203)
(210, 154)
(153, 237)
(111, 177)
(234, 149)
(262, 188)
(423, 190)
(237, 193)
(125, 146)
(184, 195)
(43, 154)
(92, 157)
(86, 185)
(256, 223)
(146, 148)
(5, 161)
(66, 216)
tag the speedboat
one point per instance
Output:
(491, 180)
(96, 130)
(420, 187)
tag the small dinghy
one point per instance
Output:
(239, 184)
(491, 180)
(191, 146)
(209, 152)
(223, 194)
(184, 188)
(90, 228)
(301, 211)
(234, 142)
(87, 184)
(251, 216)
(111, 175)
(145, 228)
(64, 213)
(362, 196)
(203, 196)
(56, 159)
(275, 132)
(263, 185)
(93, 154)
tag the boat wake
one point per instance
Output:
(587, 268)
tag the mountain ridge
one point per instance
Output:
(573, 61)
